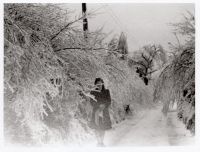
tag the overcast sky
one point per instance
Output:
(142, 23)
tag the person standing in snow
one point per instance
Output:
(100, 120)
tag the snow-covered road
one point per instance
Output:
(150, 128)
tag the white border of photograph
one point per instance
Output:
(196, 147)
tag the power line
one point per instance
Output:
(124, 27)
(118, 22)
(113, 17)
(97, 9)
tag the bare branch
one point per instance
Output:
(81, 48)
(65, 27)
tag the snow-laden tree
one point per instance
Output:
(123, 46)
(147, 60)
(177, 79)
(119, 46)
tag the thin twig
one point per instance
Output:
(65, 27)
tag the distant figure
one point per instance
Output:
(100, 115)
(146, 80)
(127, 109)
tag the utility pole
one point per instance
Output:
(85, 22)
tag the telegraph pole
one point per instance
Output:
(85, 22)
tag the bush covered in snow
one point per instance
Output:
(177, 80)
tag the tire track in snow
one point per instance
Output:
(150, 129)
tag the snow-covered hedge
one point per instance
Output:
(177, 80)
(49, 70)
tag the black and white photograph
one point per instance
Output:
(101, 75)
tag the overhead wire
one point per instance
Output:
(118, 22)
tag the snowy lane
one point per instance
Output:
(177, 134)
(151, 128)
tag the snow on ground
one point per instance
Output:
(150, 128)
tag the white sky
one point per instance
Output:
(142, 23)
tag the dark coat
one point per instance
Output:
(102, 97)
